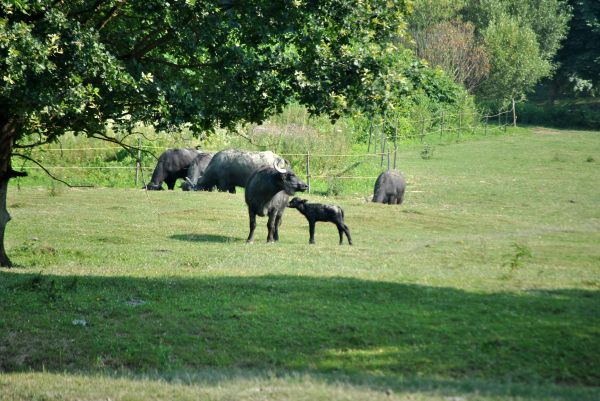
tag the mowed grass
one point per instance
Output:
(483, 285)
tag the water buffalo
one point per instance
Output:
(232, 167)
(318, 212)
(389, 188)
(196, 170)
(267, 193)
(172, 164)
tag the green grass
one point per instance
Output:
(484, 285)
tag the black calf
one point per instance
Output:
(318, 212)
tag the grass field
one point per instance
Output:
(484, 285)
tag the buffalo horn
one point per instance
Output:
(281, 170)
(190, 182)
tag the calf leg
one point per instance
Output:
(340, 232)
(311, 230)
(252, 226)
(347, 231)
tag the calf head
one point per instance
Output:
(297, 203)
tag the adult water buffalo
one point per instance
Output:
(389, 188)
(196, 170)
(231, 168)
(267, 193)
(172, 164)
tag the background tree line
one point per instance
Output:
(541, 50)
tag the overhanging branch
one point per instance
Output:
(46, 171)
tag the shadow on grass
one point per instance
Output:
(205, 238)
(385, 332)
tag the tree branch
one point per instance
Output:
(21, 174)
(112, 13)
(175, 65)
(130, 149)
(33, 145)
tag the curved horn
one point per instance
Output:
(281, 170)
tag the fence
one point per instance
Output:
(379, 147)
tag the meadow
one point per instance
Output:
(483, 285)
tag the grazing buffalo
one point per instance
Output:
(232, 167)
(318, 212)
(172, 164)
(196, 170)
(267, 194)
(389, 188)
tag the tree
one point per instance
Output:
(579, 58)
(74, 66)
(541, 21)
(548, 19)
(452, 46)
(515, 58)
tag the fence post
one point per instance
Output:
(308, 169)
(514, 113)
(459, 124)
(422, 128)
(442, 126)
(485, 126)
(383, 150)
(138, 162)
(388, 158)
(370, 133)
(395, 144)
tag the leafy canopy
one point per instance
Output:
(76, 65)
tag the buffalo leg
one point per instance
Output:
(277, 224)
(311, 230)
(271, 227)
(170, 183)
(252, 226)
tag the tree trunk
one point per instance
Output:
(4, 219)
(7, 134)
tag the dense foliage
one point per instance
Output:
(579, 57)
(512, 48)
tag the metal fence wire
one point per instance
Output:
(378, 145)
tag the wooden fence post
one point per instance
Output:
(388, 155)
(442, 126)
(308, 169)
(138, 162)
(383, 150)
(370, 134)
(514, 113)
(395, 144)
